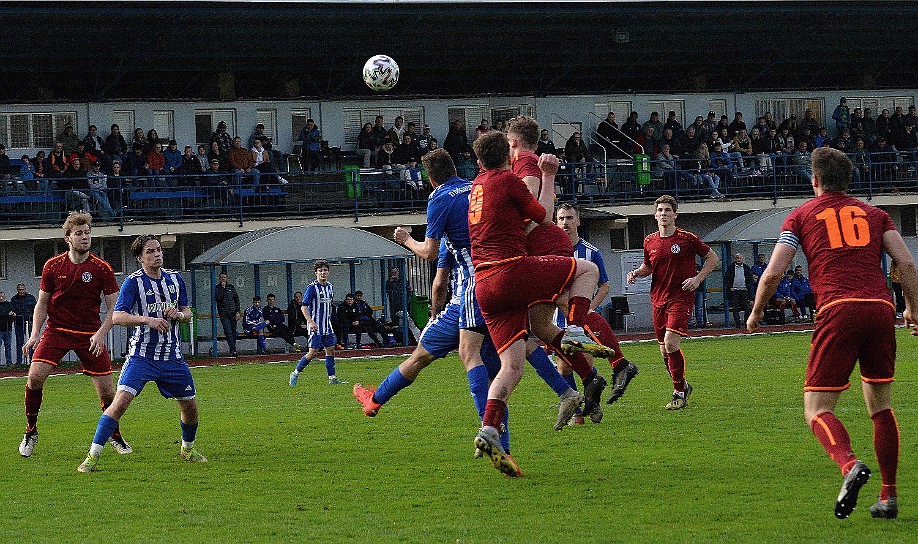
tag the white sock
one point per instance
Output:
(95, 449)
(187, 445)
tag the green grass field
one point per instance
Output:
(304, 465)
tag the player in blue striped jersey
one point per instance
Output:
(153, 301)
(568, 218)
(317, 309)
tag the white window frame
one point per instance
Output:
(269, 119)
(33, 140)
(164, 124)
(470, 115)
(216, 115)
(355, 118)
(298, 118)
(663, 107)
(125, 121)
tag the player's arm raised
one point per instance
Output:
(427, 250)
(781, 258)
(896, 248)
(549, 165)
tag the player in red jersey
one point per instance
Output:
(844, 238)
(669, 255)
(508, 281)
(69, 297)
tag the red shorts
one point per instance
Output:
(847, 332)
(506, 291)
(549, 239)
(672, 316)
(54, 344)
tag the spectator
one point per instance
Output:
(483, 128)
(860, 173)
(173, 162)
(790, 124)
(810, 138)
(646, 142)
(217, 153)
(785, 146)
(724, 123)
(609, 137)
(385, 158)
(784, 295)
(760, 150)
(770, 120)
(241, 163)
(742, 146)
(368, 323)
(665, 167)
(423, 140)
(803, 294)
(673, 125)
(222, 138)
(365, 142)
(93, 144)
(253, 323)
(841, 115)
(115, 147)
(136, 165)
(6, 167)
(397, 311)
(23, 308)
(27, 173)
(227, 301)
(69, 139)
(156, 165)
(669, 138)
(380, 135)
(296, 321)
(705, 173)
(738, 280)
(722, 165)
(575, 150)
(884, 161)
(657, 126)
(349, 322)
(690, 142)
(262, 160)
(895, 281)
(259, 134)
(457, 143)
(500, 126)
(86, 158)
(704, 128)
(883, 125)
(809, 122)
(6, 327)
(97, 182)
(40, 170)
(73, 184)
(405, 160)
(546, 145)
(191, 168)
(761, 125)
(397, 131)
(760, 265)
(202, 156)
(631, 128)
(911, 118)
(220, 190)
(139, 139)
(274, 317)
(870, 126)
(153, 139)
(736, 125)
(897, 127)
(311, 137)
(800, 163)
(822, 137)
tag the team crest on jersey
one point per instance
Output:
(87, 277)
(149, 292)
(675, 248)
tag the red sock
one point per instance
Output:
(886, 444)
(576, 361)
(599, 330)
(578, 308)
(32, 406)
(834, 439)
(675, 361)
(494, 413)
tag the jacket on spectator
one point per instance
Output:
(240, 159)
(157, 161)
(730, 276)
(251, 318)
(227, 299)
(115, 144)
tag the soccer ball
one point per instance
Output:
(380, 73)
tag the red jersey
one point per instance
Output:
(842, 239)
(526, 163)
(76, 292)
(672, 261)
(498, 206)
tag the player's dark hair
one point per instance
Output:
(319, 264)
(76, 219)
(526, 129)
(667, 199)
(358, 293)
(256, 298)
(569, 207)
(833, 168)
(140, 241)
(439, 165)
(271, 295)
(492, 149)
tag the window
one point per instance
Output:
(354, 119)
(298, 120)
(622, 110)
(718, 106)
(663, 107)
(505, 113)
(878, 103)
(470, 116)
(163, 124)
(783, 108)
(206, 121)
(31, 130)
(125, 121)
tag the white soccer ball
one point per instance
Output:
(380, 73)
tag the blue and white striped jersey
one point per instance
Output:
(145, 296)
(586, 251)
(318, 300)
(447, 219)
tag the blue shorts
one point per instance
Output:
(470, 314)
(322, 341)
(259, 327)
(173, 377)
(441, 335)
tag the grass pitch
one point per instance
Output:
(304, 465)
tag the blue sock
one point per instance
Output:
(302, 364)
(262, 344)
(393, 383)
(571, 380)
(188, 431)
(478, 385)
(330, 365)
(505, 436)
(547, 371)
(104, 429)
